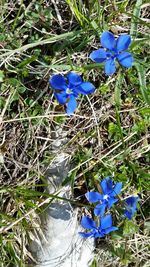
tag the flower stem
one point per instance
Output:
(119, 125)
(118, 104)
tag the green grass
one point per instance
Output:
(108, 135)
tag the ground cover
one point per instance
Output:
(108, 133)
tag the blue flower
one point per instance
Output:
(107, 198)
(67, 89)
(114, 49)
(131, 205)
(104, 228)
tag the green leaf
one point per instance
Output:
(95, 26)
(142, 82)
(50, 40)
(26, 62)
(15, 97)
(130, 228)
(135, 17)
(116, 236)
(2, 102)
(13, 81)
(147, 226)
(1, 76)
(118, 87)
(21, 89)
(94, 263)
(92, 66)
(144, 111)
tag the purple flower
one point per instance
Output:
(114, 49)
(131, 206)
(107, 198)
(104, 228)
(68, 88)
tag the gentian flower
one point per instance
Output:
(67, 89)
(107, 198)
(104, 228)
(131, 205)
(113, 49)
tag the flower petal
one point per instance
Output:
(123, 42)
(93, 196)
(61, 97)
(88, 223)
(71, 105)
(108, 40)
(116, 189)
(129, 214)
(110, 67)
(111, 229)
(111, 201)
(99, 210)
(85, 88)
(74, 78)
(131, 206)
(131, 201)
(98, 234)
(125, 59)
(106, 185)
(58, 82)
(106, 222)
(98, 55)
(89, 234)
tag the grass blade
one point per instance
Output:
(142, 82)
(136, 16)
(41, 42)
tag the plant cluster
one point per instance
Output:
(107, 136)
(105, 201)
(67, 90)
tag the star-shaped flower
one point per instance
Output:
(67, 89)
(100, 231)
(113, 49)
(131, 206)
(107, 198)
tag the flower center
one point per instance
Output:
(68, 91)
(112, 54)
(106, 197)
